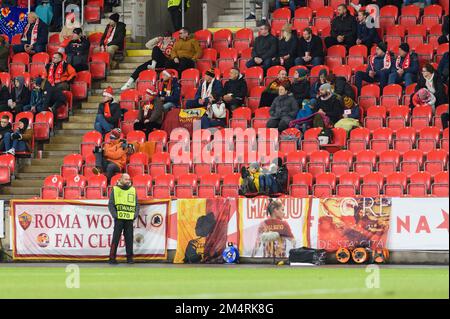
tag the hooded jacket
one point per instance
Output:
(22, 98)
(189, 48)
(236, 87)
(114, 152)
(284, 106)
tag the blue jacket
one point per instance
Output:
(216, 91)
(368, 36)
(413, 64)
(378, 64)
(175, 95)
(37, 100)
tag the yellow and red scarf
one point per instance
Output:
(34, 32)
(386, 61)
(166, 46)
(54, 76)
(166, 87)
(405, 64)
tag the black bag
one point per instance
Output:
(307, 255)
(325, 136)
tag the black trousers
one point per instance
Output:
(176, 17)
(445, 120)
(127, 227)
(109, 168)
(158, 56)
(348, 42)
(184, 64)
(146, 127)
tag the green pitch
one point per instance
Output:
(137, 281)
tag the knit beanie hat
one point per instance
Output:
(115, 17)
(404, 47)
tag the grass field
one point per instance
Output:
(139, 281)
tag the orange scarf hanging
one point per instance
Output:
(107, 111)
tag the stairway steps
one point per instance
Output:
(129, 65)
(136, 59)
(21, 190)
(77, 126)
(86, 118)
(17, 196)
(85, 111)
(62, 147)
(56, 153)
(47, 162)
(117, 79)
(114, 85)
(33, 175)
(73, 132)
(41, 169)
(89, 105)
(237, 24)
(26, 183)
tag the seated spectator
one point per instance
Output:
(443, 67)
(108, 114)
(66, 34)
(4, 97)
(161, 49)
(309, 49)
(150, 117)
(424, 97)
(300, 86)
(444, 37)
(60, 73)
(234, 90)
(113, 38)
(340, 86)
(168, 94)
(54, 98)
(20, 95)
(287, 47)
(271, 91)
(112, 158)
(78, 51)
(351, 116)
(343, 29)
(208, 91)
(431, 80)
(405, 68)
(265, 9)
(4, 54)
(366, 35)
(293, 4)
(378, 68)
(34, 37)
(215, 115)
(283, 110)
(37, 97)
(328, 104)
(5, 130)
(323, 74)
(20, 140)
(264, 50)
(249, 180)
(185, 52)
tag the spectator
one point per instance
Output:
(287, 47)
(264, 50)
(405, 68)
(150, 117)
(235, 90)
(444, 37)
(215, 115)
(113, 38)
(378, 68)
(351, 116)
(340, 86)
(366, 35)
(321, 80)
(445, 120)
(57, 15)
(432, 81)
(309, 49)
(59, 72)
(20, 140)
(249, 180)
(161, 49)
(20, 95)
(328, 104)
(443, 67)
(112, 158)
(54, 98)
(34, 37)
(300, 86)
(274, 179)
(175, 11)
(185, 52)
(78, 51)
(208, 92)
(343, 28)
(265, 9)
(37, 97)
(4, 54)
(108, 114)
(169, 91)
(283, 110)
(5, 130)
(293, 4)
(271, 91)
(424, 97)
(4, 97)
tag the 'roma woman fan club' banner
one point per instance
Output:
(200, 229)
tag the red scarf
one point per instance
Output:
(405, 64)
(106, 111)
(55, 76)
(34, 32)
(166, 49)
(386, 61)
(108, 34)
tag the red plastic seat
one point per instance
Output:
(428, 139)
(254, 77)
(395, 185)
(43, 125)
(419, 184)
(375, 117)
(359, 139)
(204, 37)
(230, 186)
(160, 138)
(143, 185)
(129, 99)
(81, 85)
(53, 187)
(209, 185)
(381, 139)
(398, 117)
(99, 64)
(348, 184)
(436, 161)
(388, 162)
(315, 4)
(405, 139)
(342, 162)
(7, 168)
(441, 109)
(160, 164)
(146, 80)
(439, 187)
(241, 118)
(164, 185)
(71, 165)
(324, 185)
(127, 125)
(261, 117)
(372, 184)
(301, 185)
(74, 188)
(90, 140)
(343, 70)
(28, 115)
(304, 13)
(295, 162)
(222, 39)
(92, 13)
(97, 186)
(136, 136)
(186, 186)
(243, 39)
(411, 10)
(137, 164)
(318, 162)
(412, 162)
(365, 162)
(254, 97)
(444, 140)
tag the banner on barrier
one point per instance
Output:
(2, 219)
(202, 230)
(82, 230)
(419, 224)
(272, 231)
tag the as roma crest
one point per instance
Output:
(25, 220)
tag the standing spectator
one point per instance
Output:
(283, 110)
(150, 117)
(265, 9)
(57, 20)
(4, 54)
(235, 90)
(432, 81)
(287, 46)
(271, 91)
(309, 49)
(108, 114)
(443, 67)
(20, 140)
(208, 92)
(323, 74)
(4, 97)
(34, 37)
(365, 34)
(5, 130)
(20, 95)
(113, 38)
(37, 97)
(78, 51)
(300, 86)
(168, 94)
(405, 68)
(444, 37)
(176, 13)
(264, 50)
(185, 52)
(161, 49)
(343, 29)
(378, 68)
(59, 72)
(328, 104)
(54, 98)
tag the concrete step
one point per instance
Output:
(238, 5)
(59, 153)
(21, 190)
(77, 126)
(231, 17)
(235, 24)
(93, 98)
(76, 139)
(85, 118)
(33, 176)
(137, 59)
(129, 65)
(238, 11)
(62, 147)
(41, 169)
(121, 72)
(114, 85)
(9, 197)
(73, 132)
(85, 111)
(47, 162)
(117, 79)
(26, 183)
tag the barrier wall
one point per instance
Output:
(199, 229)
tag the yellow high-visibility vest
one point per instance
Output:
(176, 3)
(125, 202)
